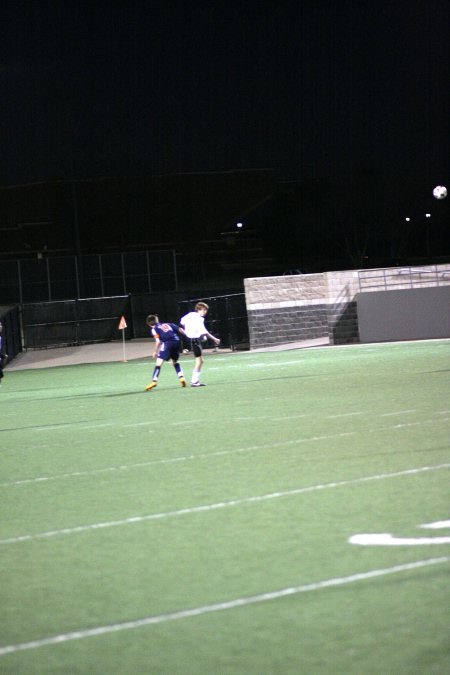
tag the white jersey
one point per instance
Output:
(193, 324)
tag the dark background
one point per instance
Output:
(344, 104)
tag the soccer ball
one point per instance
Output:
(440, 192)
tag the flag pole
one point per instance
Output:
(122, 326)
(123, 345)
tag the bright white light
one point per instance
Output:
(428, 215)
(239, 225)
(407, 219)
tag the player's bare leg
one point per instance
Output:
(195, 380)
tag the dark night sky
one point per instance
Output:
(126, 87)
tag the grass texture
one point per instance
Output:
(203, 531)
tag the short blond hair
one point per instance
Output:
(201, 305)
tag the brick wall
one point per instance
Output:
(286, 309)
(292, 308)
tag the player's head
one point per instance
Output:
(201, 308)
(151, 320)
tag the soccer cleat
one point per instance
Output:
(182, 382)
(197, 384)
(152, 385)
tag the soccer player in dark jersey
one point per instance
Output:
(167, 346)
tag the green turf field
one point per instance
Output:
(206, 531)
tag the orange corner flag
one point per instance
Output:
(122, 323)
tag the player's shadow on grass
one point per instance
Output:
(210, 385)
(268, 379)
(55, 424)
(132, 393)
(92, 395)
(168, 388)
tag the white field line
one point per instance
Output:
(82, 426)
(219, 505)
(398, 412)
(181, 458)
(387, 539)
(437, 525)
(407, 424)
(349, 414)
(82, 634)
(281, 418)
(219, 453)
(113, 423)
(181, 423)
(269, 364)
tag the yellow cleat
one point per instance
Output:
(152, 385)
(182, 382)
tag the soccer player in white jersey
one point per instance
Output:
(194, 327)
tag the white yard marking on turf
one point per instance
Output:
(82, 634)
(438, 525)
(183, 458)
(220, 505)
(272, 364)
(183, 423)
(407, 424)
(349, 414)
(398, 412)
(98, 426)
(140, 424)
(387, 539)
(270, 419)
(219, 453)
(189, 423)
(74, 424)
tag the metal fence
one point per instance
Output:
(89, 320)
(73, 322)
(226, 319)
(87, 276)
(390, 278)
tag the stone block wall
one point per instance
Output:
(292, 308)
(285, 309)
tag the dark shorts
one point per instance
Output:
(170, 350)
(196, 346)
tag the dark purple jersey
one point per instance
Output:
(166, 332)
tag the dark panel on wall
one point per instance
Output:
(343, 323)
(409, 314)
(278, 326)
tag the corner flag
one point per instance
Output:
(122, 326)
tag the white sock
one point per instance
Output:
(195, 376)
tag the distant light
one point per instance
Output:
(428, 215)
(239, 225)
(407, 219)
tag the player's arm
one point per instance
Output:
(157, 345)
(212, 337)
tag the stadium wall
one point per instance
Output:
(293, 308)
